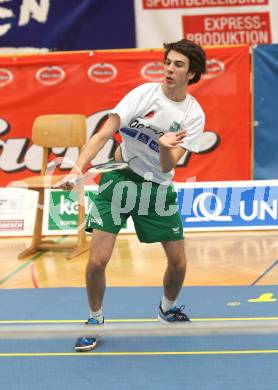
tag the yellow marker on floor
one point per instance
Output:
(267, 297)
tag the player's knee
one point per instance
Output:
(97, 264)
(178, 264)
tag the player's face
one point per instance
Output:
(176, 70)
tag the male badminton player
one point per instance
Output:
(158, 122)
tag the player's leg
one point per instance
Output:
(100, 221)
(162, 223)
(156, 229)
(105, 227)
(176, 268)
(173, 282)
(102, 245)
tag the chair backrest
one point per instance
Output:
(63, 130)
(59, 130)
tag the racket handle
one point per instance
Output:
(74, 180)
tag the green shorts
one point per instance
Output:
(153, 207)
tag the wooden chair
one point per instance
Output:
(51, 131)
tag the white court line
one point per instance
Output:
(139, 320)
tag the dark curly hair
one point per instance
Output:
(195, 54)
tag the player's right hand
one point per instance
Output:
(68, 182)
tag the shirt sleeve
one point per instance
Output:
(194, 129)
(132, 105)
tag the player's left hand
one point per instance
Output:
(172, 139)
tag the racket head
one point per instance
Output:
(108, 166)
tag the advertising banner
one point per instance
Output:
(243, 205)
(207, 22)
(265, 112)
(66, 24)
(61, 211)
(223, 29)
(92, 83)
(17, 211)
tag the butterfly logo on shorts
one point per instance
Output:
(97, 221)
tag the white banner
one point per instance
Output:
(207, 22)
(17, 211)
(206, 206)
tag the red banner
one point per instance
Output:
(228, 29)
(92, 83)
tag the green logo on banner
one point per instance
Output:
(63, 209)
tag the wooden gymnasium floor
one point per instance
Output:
(214, 259)
(241, 270)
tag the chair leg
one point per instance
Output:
(82, 244)
(37, 232)
(77, 251)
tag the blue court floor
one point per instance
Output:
(195, 363)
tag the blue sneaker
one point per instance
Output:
(85, 344)
(173, 315)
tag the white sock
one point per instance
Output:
(166, 304)
(97, 315)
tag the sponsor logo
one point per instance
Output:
(68, 207)
(97, 221)
(201, 210)
(154, 146)
(153, 71)
(6, 77)
(175, 126)
(214, 68)
(23, 13)
(10, 224)
(176, 230)
(131, 132)
(229, 206)
(63, 209)
(174, 4)
(50, 75)
(143, 138)
(139, 125)
(102, 73)
(228, 29)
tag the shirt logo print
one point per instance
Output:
(175, 126)
(143, 138)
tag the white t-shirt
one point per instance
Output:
(146, 114)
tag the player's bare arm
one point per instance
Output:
(169, 150)
(95, 144)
